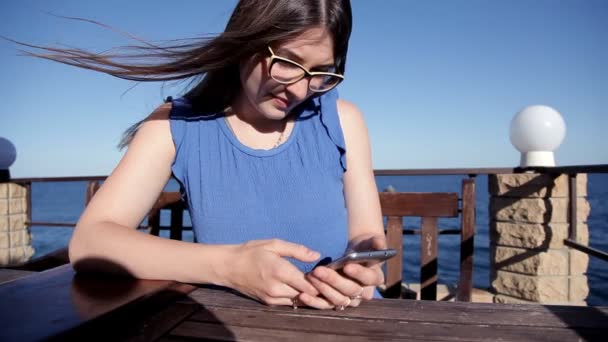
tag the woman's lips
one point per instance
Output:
(280, 102)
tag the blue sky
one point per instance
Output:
(437, 81)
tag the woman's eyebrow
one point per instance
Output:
(292, 55)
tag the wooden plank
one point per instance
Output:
(58, 179)
(52, 224)
(435, 312)
(55, 301)
(167, 198)
(417, 231)
(144, 320)
(7, 274)
(92, 188)
(428, 259)
(302, 324)
(177, 221)
(56, 258)
(222, 332)
(154, 221)
(394, 266)
(467, 238)
(163, 322)
(431, 204)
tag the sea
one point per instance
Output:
(64, 202)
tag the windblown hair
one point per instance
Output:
(212, 63)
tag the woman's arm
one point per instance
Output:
(106, 239)
(364, 220)
(360, 191)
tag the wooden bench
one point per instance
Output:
(429, 206)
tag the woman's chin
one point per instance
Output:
(274, 113)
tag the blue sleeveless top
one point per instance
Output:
(293, 192)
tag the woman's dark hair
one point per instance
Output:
(213, 63)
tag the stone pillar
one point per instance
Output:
(15, 237)
(528, 224)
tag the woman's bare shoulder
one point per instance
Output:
(155, 128)
(351, 118)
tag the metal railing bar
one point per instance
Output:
(409, 231)
(572, 208)
(586, 249)
(471, 172)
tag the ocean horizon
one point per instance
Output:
(64, 202)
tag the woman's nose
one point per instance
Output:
(299, 89)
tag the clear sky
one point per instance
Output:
(437, 81)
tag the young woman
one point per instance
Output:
(275, 169)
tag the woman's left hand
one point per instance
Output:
(349, 286)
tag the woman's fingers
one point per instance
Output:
(282, 301)
(315, 302)
(262, 272)
(379, 242)
(292, 250)
(286, 273)
(366, 276)
(338, 290)
(373, 242)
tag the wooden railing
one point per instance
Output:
(571, 171)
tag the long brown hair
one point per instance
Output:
(212, 63)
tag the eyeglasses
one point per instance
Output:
(286, 71)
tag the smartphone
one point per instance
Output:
(363, 257)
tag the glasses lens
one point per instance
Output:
(285, 72)
(320, 83)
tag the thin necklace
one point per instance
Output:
(279, 141)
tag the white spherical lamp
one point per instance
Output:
(536, 132)
(8, 154)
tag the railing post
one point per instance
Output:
(92, 187)
(15, 214)
(531, 216)
(467, 236)
(428, 258)
(394, 266)
(177, 222)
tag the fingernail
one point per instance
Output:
(313, 253)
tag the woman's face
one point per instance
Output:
(272, 100)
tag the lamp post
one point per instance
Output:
(536, 132)
(8, 154)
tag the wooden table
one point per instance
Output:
(59, 305)
(7, 274)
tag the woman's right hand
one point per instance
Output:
(259, 269)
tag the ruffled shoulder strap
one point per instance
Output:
(180, 109)
(179, 117)
(328, 104)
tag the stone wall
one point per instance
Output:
(15, 237)
(528, 225)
